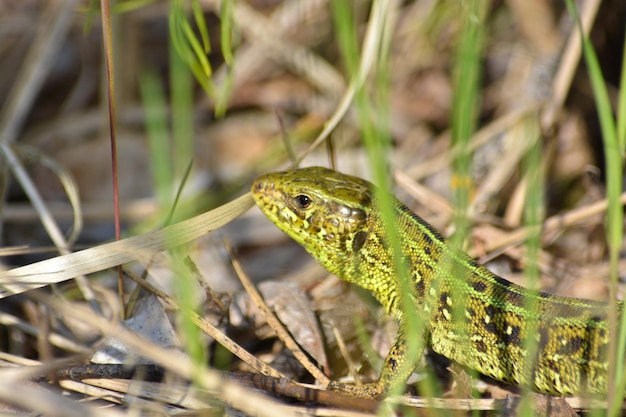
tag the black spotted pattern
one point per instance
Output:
(573, 345)
(478, 286)
(512, 335)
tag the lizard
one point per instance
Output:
(471, 315)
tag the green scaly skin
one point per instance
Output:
(472, 316)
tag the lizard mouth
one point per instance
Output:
(269, 198)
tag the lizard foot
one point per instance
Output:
(372, 391)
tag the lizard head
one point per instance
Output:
(324, 211)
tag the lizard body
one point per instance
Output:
(472, 316)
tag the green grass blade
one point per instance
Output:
(189, 48)
(465, 106)
(226, 45)
(614, 223)
(374, 123)
(621, 115)
(533, 220)
(156, 117)
(345, 26)
(181, 85)
(226, 31)
(198, 17)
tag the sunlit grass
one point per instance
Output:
(613, 140)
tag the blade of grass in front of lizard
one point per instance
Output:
(334, 217)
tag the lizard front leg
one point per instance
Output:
(396, 370)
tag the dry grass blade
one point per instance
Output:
(141, 394)
(568, 65)
(36, 67)
(67, 182)
(229, 392)
(423, 194)
(48, 402)
(319, 72)
(485, 404)
(551, 225)
(484, 135)
(519, 139)
(276, 325)
(212, 331)
(287, 17)
(141, 247)
(371, 44)
(345, 353)
(55, 339)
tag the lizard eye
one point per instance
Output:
(303, 201)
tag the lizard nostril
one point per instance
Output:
(260, 185)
